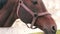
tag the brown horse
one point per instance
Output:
(29, 11)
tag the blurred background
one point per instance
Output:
(53, 7)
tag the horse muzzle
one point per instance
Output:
(50, 30)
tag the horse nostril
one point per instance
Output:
(53, 28)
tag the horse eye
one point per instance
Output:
(34, 2)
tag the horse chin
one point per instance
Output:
(49, 32)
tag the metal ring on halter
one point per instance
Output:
(33, 21)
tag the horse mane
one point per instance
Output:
(2, 3)
(7, 13)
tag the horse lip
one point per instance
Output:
(46, 31)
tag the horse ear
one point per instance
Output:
(24, 15)
(2, 3)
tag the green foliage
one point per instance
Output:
(58, 32)
(37, 33)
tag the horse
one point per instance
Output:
(29, 11)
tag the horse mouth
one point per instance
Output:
(49, 32)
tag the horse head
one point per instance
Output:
(44, 20)
(29, 11)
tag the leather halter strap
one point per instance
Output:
(35, 15)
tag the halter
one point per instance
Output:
(34, 14)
